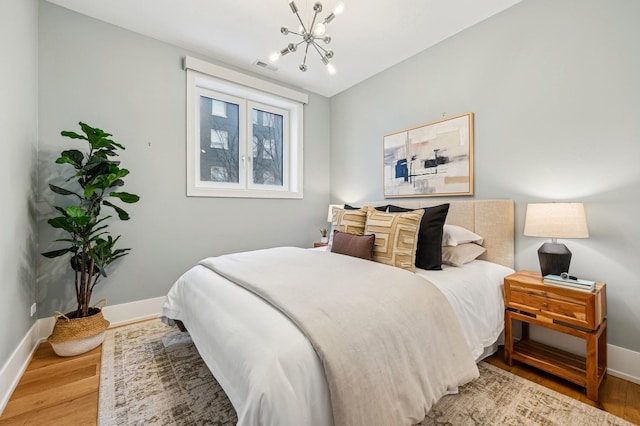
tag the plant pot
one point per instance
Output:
(324, 239)
(74, 336)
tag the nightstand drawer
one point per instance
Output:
(564, 309)
(525, 292)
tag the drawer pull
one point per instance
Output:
(545, 305)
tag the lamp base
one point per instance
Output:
(554, 258)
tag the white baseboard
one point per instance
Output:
(118, 315)
(621, 362)
(127, 313)
(17, 363)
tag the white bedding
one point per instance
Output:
(474, 291)
(278, 366)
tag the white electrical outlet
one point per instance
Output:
(33, 309)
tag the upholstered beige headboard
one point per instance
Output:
(492, 219)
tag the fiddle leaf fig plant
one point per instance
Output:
(94, 177)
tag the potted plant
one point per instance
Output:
(94, 177)
(324, 235)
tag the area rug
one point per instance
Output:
(152, 374)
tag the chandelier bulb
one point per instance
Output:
(339, 8)
(292, 47)
(319, 30)
(329, 54)
(275, 56)
(331, 69)
(303, 67)
(284, 30)
(327, 39)
(317, 7)
(293, 7)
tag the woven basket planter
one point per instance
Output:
(75, 336)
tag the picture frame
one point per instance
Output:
(433, 159)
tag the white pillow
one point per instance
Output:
(452, 235)
(459, 255)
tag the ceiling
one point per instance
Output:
(367, 38)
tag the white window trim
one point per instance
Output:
(204, 75)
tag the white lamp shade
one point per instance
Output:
(556, 220)
(330, 214)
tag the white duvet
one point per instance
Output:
(265, 364)
(474, 291)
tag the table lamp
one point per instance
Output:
(330, 214)
(555, 220)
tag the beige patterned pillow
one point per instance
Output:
(349, 221)
(396, 237)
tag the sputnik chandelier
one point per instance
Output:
(311, 35)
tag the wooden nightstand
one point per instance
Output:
(574, 312)
(316, 245)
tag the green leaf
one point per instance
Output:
(72, 156)
(97, 237)
(122, 172)
(89, 190)
(56, 253)
(67, 240)
(116, 144)
(99, 228)
(117, 182)
(65, 160)
(74, 211)
(123, 215)
(72, 135)
(77, 216)
(62, 191)
(118, 256)
(62, 222)
(126, 197)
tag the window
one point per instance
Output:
(219, 174)
(218, 108)
(219, 139)
(242, 142)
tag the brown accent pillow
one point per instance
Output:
(353, 245)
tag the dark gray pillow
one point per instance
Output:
(429, 249)
(379, 208)
(353, 245)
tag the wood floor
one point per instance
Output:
(617, 396)
(56, 391)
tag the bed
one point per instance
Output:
(274, 372)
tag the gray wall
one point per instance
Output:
(18, 141)
(555, 91)
(134, 87)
